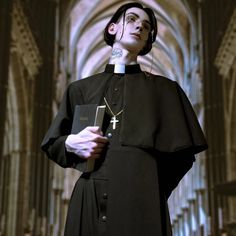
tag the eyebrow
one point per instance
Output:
(132, 13)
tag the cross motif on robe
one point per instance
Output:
(114, 121)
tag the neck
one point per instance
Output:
(122, 56)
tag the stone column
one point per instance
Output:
(214, 21)
(5, 36)
(42, 109)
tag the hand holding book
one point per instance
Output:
(87, 144)
(86, 139)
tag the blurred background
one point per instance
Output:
(46, 44)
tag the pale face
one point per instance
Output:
(133, 35)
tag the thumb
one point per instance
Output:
(94, 129)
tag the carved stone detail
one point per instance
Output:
(24, 42)
(226, 54)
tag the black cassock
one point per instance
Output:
(149, 152)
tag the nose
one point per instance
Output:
(139, 26)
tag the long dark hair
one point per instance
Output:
(109, 39)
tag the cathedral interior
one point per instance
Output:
(45, 45)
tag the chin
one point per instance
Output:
(134, 47)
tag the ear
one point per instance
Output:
(112, 29)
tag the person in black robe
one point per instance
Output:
(146, 145)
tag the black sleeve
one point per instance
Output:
(172, 168)
(53, 143)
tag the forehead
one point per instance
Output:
(139, 12)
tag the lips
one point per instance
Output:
(136, 35)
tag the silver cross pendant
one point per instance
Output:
(114, 121)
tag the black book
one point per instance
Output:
(87, 115)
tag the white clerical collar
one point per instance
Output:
(119, 68)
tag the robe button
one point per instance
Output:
(109, 135)
(105, 196)
(104, 218)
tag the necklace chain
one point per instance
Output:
(114, 115)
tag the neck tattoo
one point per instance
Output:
(116, 52)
